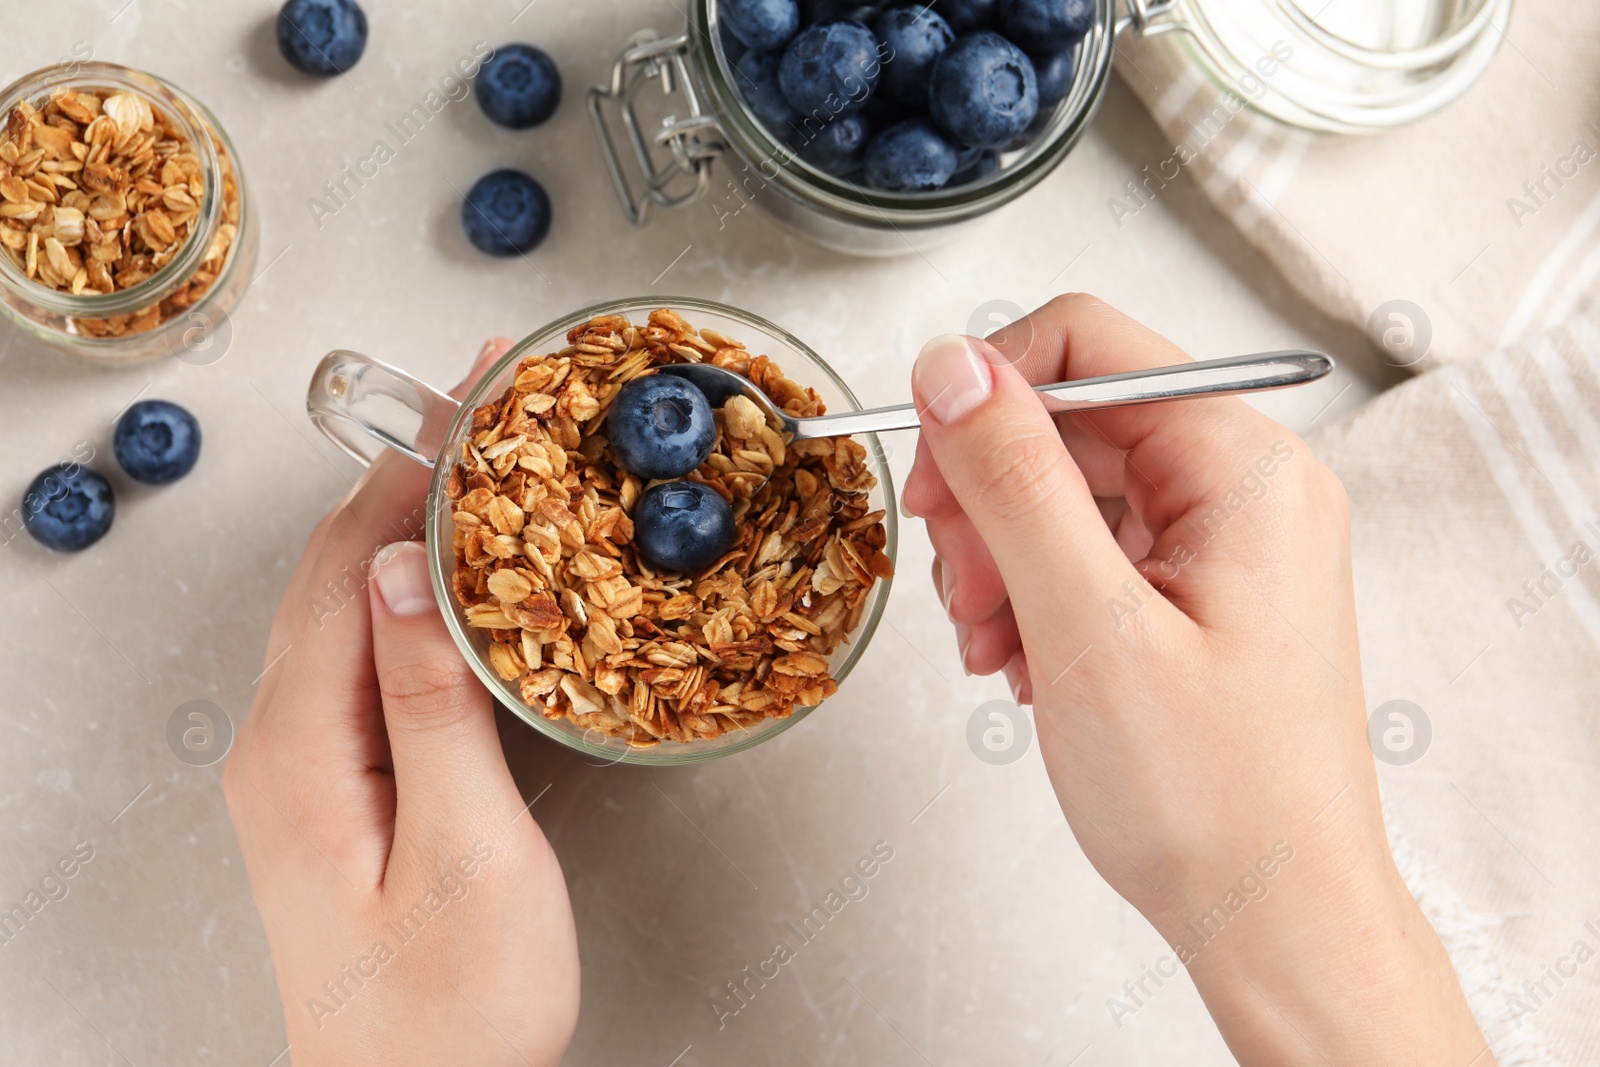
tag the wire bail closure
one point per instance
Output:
(692, 143)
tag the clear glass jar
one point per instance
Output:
(833, 212)
(1355, 66)
(358, 401)
(177, 308)
(1385, 62)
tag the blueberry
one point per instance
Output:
(965, 16)
(661, 426)
(910, 157)
(912, 38)
(967, 156)
(1046, 25)
(839, 146)
(732, 47)
(815, 11)
(756, 74)
(984, 91)
(506, 213)
(322, 37)
(763, 24)
(986, 163)
(1054, 72)
(518, 87)
(830, 69)
(682, 526)
(68, 507)
(157, 442)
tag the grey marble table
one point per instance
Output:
(987, 938)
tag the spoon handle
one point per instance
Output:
(1210, 377)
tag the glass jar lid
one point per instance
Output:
(1343, 66)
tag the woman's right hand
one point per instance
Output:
(1169, 585)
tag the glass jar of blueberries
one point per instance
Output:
(875, 127)
(869, 166)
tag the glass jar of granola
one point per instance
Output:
(125, 231)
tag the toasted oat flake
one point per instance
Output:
(592, 634)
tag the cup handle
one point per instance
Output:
(355, 399)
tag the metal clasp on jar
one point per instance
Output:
(1149, 18)
(692, 142)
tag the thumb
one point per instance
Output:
(450, 773)
(1002, 456)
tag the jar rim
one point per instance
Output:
(1340, 85)
(192, 120)
(779, 164)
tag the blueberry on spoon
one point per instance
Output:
(661, 426)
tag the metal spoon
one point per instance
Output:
(1209, 377)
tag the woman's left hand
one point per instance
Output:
(415, 912)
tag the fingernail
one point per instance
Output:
(486, 356)
(1014, 680)
(949, 591)
(400, 572)
(905, 509)
(963, 635)
(950, 378)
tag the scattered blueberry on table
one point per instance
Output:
(518, 87)
(157, 442)
(910, 80)
(68, 507)
(682, 526)
(660, 426)
(322, 37)
(910, 157)
(506, 213)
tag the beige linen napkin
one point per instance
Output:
(1485, 216)
(1475, 488)
(1475, 495)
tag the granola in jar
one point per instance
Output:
(121, 211)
